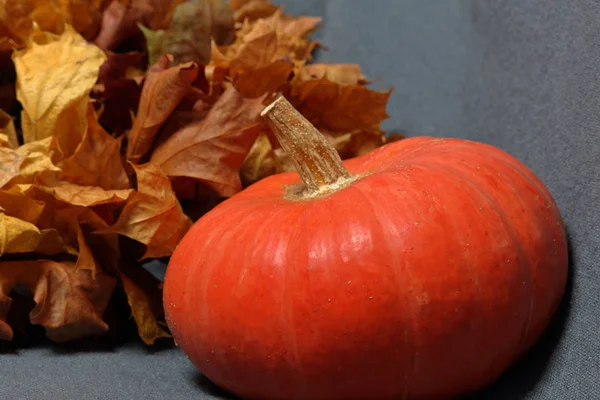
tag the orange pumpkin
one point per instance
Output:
(421, 270)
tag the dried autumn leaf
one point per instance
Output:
(262, 161)
(7, 127)
(97, 159)
(120, 20)
(17, 236)
(212, 150)
(153, 215)
(188, 38)
(54, 78)
(342, 74)
(343, 108)
(17, 203)
(22, 165)
(69, 303)
(143, 295)
(163, 89)
(85, 196)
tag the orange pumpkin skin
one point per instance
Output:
(424, 279)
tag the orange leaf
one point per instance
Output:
(164, 88)
(143, 296)
(97, 159)
(153, 215)
(332, 106)
(69, 303)
(212, 150)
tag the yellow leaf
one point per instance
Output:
(17, 236)
(7, 127)
(55, 75)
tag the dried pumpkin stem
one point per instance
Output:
(316, 160)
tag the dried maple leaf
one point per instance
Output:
(153, 215)
(7, 127)
(263, 160)
(121, 18)
(143, 296)
(163, 89)
(22, 165)
(212, 150)
(69, 302)
(54, 80)
(18, 236)
(17, 203)
(342, 74)
(85, 196)
(265, 53)
(188, 38)
(336, 107)
(97, 159)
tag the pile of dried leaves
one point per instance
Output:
(122, 121)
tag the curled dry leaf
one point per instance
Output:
(188, 38)
(55, 75)
(22, 165)
(69, 302)
(144, 298)
(265, 53)
(121, 18)
(212, 150)
(336, 106)
(263, 160)
(18, 16)
(153, 215)
(96, 160)
(7, 127)
(163, 89)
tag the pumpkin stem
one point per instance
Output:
(316, 160)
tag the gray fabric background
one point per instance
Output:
(523, 75)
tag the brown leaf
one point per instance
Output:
(7, 127)
(22, 165)
(212, 150)
(143, 296)
(54, 78)
(164, 88)
(188, 38)
(97, 159)
(332, 106)
(265, 53)
(85, 196)
(153, 215)
(121, 18)
(69, 303)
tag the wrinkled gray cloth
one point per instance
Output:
(523, 75)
